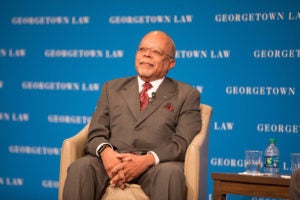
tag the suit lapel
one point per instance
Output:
(166, 90)
(130, 94)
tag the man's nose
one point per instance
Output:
(148, 52)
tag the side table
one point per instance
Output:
(249, 185)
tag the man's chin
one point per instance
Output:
(145, 77)
(145, 73)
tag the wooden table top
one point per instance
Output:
(257, 179)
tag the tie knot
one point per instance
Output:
(147, 85)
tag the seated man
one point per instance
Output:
(140, 130)
(295, 185)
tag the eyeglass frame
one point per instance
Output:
(157, 52)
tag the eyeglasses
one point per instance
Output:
(155, 52)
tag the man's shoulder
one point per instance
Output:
(180, 84)
(121, 81)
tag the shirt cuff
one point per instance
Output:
(155, 157)
(100, 146)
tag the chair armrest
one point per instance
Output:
(72, 149)
(196, 158)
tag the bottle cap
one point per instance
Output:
(272, 140)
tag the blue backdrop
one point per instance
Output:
(54, 56)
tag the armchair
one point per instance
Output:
(195, 166)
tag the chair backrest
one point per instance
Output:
(72, 149)
(195, 161)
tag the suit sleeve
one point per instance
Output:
(99, 127)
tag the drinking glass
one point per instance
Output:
(253, 161)
(295, 161)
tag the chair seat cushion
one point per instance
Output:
(131, 192)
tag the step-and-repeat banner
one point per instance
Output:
(243, 56)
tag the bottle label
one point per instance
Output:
(271, 161)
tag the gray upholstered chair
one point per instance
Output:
(195, 166)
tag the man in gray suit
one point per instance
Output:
(144, 145)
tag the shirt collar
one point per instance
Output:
(155, 84)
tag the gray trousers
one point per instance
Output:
(295, 186)
(87, 180)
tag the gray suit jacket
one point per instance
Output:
(166, 126)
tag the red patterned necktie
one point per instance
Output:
(144, 98)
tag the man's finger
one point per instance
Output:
(118, 179)
(117, 168)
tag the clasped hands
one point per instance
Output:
(124, 167)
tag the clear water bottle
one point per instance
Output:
(271, 159)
